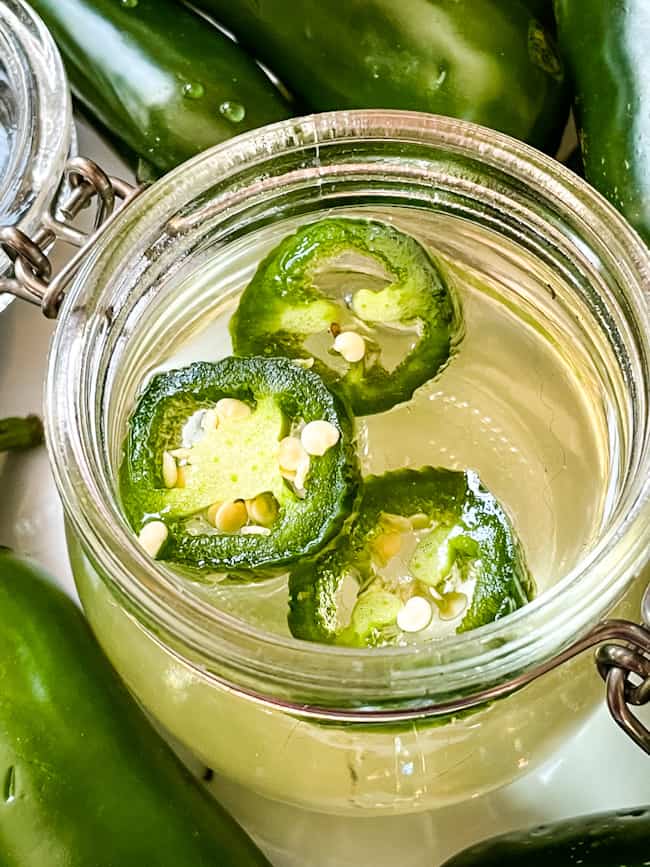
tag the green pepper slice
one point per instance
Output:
(432, 533)
(235, 460)
(284, 311)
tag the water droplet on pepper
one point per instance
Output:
(193, 90)
(232, 111)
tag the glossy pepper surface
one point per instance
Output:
(158, 76)
(487, 61)
(606, 45)
(85, 780)
(600, 840)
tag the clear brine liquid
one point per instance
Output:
(519, 401)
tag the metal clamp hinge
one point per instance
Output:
(626, 671)
(33, 279)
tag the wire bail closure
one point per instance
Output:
(626, 672)
(33, 280)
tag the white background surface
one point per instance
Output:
(599, 769)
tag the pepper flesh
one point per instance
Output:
(282, 307)
(470, 534)
(240, 465)
(486, 61)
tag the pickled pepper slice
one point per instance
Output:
(323, 281)
(431, 534)
(209, 436)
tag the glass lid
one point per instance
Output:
(36, 130)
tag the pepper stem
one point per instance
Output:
(20, 433)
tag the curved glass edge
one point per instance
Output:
(42, 131)
(220, 643)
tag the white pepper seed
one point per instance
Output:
(212, 513)
(152, 537)
(415, 615)
(169, 470)
(290, 454)
(263, 509)
(181, 476)
(350, 345)
(420, 521)
(386, 545)
(319, 436)
(306, 363)
(302, 471)
(228, 517)
(395, 522)
(232, 409)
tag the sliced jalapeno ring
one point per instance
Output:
(225, 499)
(461, 556)
(344, 326)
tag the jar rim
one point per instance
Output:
(219, 642)
(42, 129)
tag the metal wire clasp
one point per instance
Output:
(626, 671)
(33, 279)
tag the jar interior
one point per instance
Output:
(534, 398)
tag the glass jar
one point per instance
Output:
(36, 128)
(336, 729)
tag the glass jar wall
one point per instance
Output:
(562, 437)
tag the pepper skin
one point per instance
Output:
(599, 840)
(606, 46)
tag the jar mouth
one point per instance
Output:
(36, 129)
(208, 190)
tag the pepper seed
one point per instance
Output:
(169, 470)
(152, 537)
(228, 517)
(232, 409)
(302, 471)
(319, 436)
(350, 345)
(386, 545)
(415, 615)
(262, 509)
(290, 453)
(452, 605)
